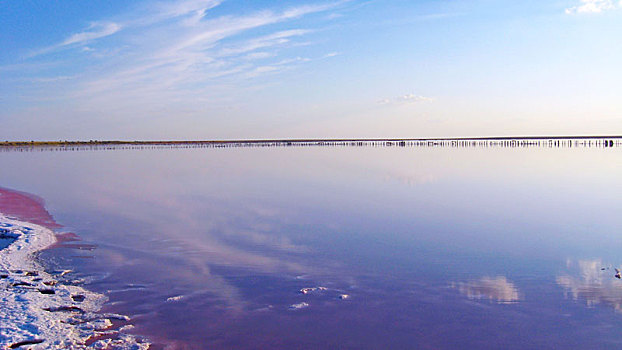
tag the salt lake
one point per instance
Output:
(471, 245)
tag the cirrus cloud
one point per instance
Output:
(593, 6)
(95, 31)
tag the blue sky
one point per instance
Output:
(227, 69)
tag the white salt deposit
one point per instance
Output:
(298, 306)
(308, 290)
(39, 311)
(175, 298)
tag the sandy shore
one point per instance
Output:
(43, 309)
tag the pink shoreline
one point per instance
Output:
(26, 207)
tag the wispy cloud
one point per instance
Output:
(593, 6)
(95, 31)
(408, 98)
(192, 11)
(275, 39)
(299, 11)
(259, 55)
(179, 53)
(181, 8)
(331, 54)
(412, 98)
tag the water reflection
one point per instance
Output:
(594, 282)
(193, 250)
(497, 289)
(211, 246)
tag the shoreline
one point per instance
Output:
(9, 144)
(49, 310)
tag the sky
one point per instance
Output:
(229, 69)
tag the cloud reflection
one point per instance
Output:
(588, 281)
(498, 289)
(191, 239)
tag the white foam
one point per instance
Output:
(28, 314)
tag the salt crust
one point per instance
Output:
(42, 308)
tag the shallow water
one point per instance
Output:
(4, 242)
(435, 247)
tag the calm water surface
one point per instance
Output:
(435, 247)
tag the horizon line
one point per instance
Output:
(303, 140)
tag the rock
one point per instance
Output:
(21, 283)
(62, 272)
(117, 317)
(78, 298)
(26, 342)
(64, 309)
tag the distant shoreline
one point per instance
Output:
(299, 141)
